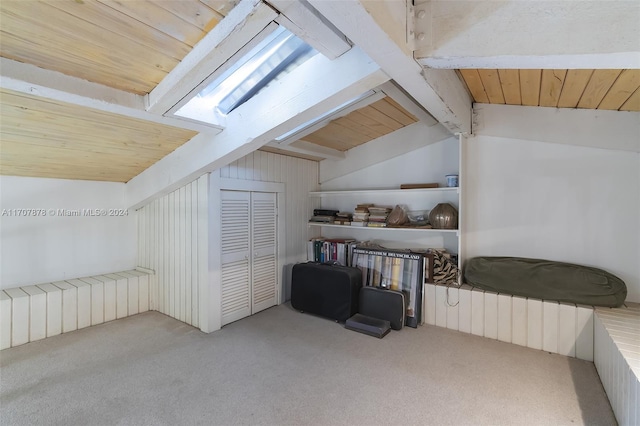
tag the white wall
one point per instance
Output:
(49, 248)
(553, 201)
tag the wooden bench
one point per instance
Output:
(34, 312)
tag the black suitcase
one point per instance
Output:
(383, 304)
(371, 326)
(327, 290)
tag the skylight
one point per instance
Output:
(278, 53)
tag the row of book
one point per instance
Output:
(320, 249)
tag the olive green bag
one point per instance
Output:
(546, 280)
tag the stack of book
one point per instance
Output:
(378, 216)
(343, 218)
(323, 216)
(361, 215)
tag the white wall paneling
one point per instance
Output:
(566, 329)
(617, 359)
(5, 320)
(37, 312)
(173, 242)
(58, 246)
(34, 312)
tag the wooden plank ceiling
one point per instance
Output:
(127, 45)
(591, 89)
(42, 138)
(363, 125)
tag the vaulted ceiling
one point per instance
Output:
(87, 84)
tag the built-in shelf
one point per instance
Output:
(383, 191)
(383, 229)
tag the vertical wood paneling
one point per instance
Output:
(584, 333)
(452, 307)
(37, 312)
(172, 236)
(567, 330)
(430, 304)
(534, 324)
(492, 86)
(519, 321)
(550, 314)
(474, 83)
(464, 311)
(5, 320)
(490, 315)
(477, 312)
(69, 306)
(504, 318)
(97, 300)
(441, 306)
(84, 302)
(19, 316)
(54, 309)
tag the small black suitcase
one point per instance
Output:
(371, 326)
(383, 304)
(327, 290)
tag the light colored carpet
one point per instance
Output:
(284, 367)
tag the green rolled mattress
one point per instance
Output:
(546, 280)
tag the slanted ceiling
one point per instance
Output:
(363, 125)
(43, 138)
(607, 89)
(127, 45)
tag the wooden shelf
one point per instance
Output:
(383, 191)
(384, 229)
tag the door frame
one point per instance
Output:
(213, 299)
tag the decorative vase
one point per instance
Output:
(444, 216)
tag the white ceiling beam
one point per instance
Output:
(413, 137)
(299, 17)
(440, 93)
(593, 128)
(311, 149)
(311, 89)
(234, 32)
(52, 85)
(528, 34)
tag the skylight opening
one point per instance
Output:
(277, 54)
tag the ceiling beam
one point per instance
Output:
(234, 34)
(299, 17)
(440, 93)
(528, 34)
(46, 84)
(311, 149)
(316, 86)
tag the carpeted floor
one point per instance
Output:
(283, 367)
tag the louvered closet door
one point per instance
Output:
(236, 273)
(264, 260)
